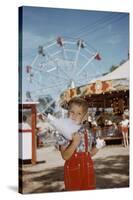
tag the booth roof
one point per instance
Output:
(29, 102)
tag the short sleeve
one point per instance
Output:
(61, 140)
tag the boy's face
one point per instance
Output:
(76, 113)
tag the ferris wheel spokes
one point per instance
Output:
(76, 57)
(84, 56)
(85, 65)
(45, 88)
(56, 53)
(69, 42)
(33, 62)
(50, 45)
(89, 52)
(64, 53)
(56, 63)
(59, 76)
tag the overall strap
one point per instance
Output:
(86, 140)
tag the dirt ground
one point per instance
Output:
(111, 167)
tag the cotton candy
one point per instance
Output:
(64, 126)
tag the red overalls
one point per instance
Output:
(79, 171)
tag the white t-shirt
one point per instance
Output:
(124, 122)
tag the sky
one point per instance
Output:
(104, 32)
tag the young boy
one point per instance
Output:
(78, 169)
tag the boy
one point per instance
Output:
(78, 169)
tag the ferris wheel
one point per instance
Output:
(60, 64)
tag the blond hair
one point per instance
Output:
(80, 102)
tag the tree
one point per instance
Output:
(116, 66)
(113, 68)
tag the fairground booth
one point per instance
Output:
(27, 132)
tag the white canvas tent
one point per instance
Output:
(122, 72)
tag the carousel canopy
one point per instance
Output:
(115, 84)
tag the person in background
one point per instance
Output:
(98, 112)
(124, 129)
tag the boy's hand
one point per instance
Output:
(76, 138)
(100, 143)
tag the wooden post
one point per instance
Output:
(33, 116)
